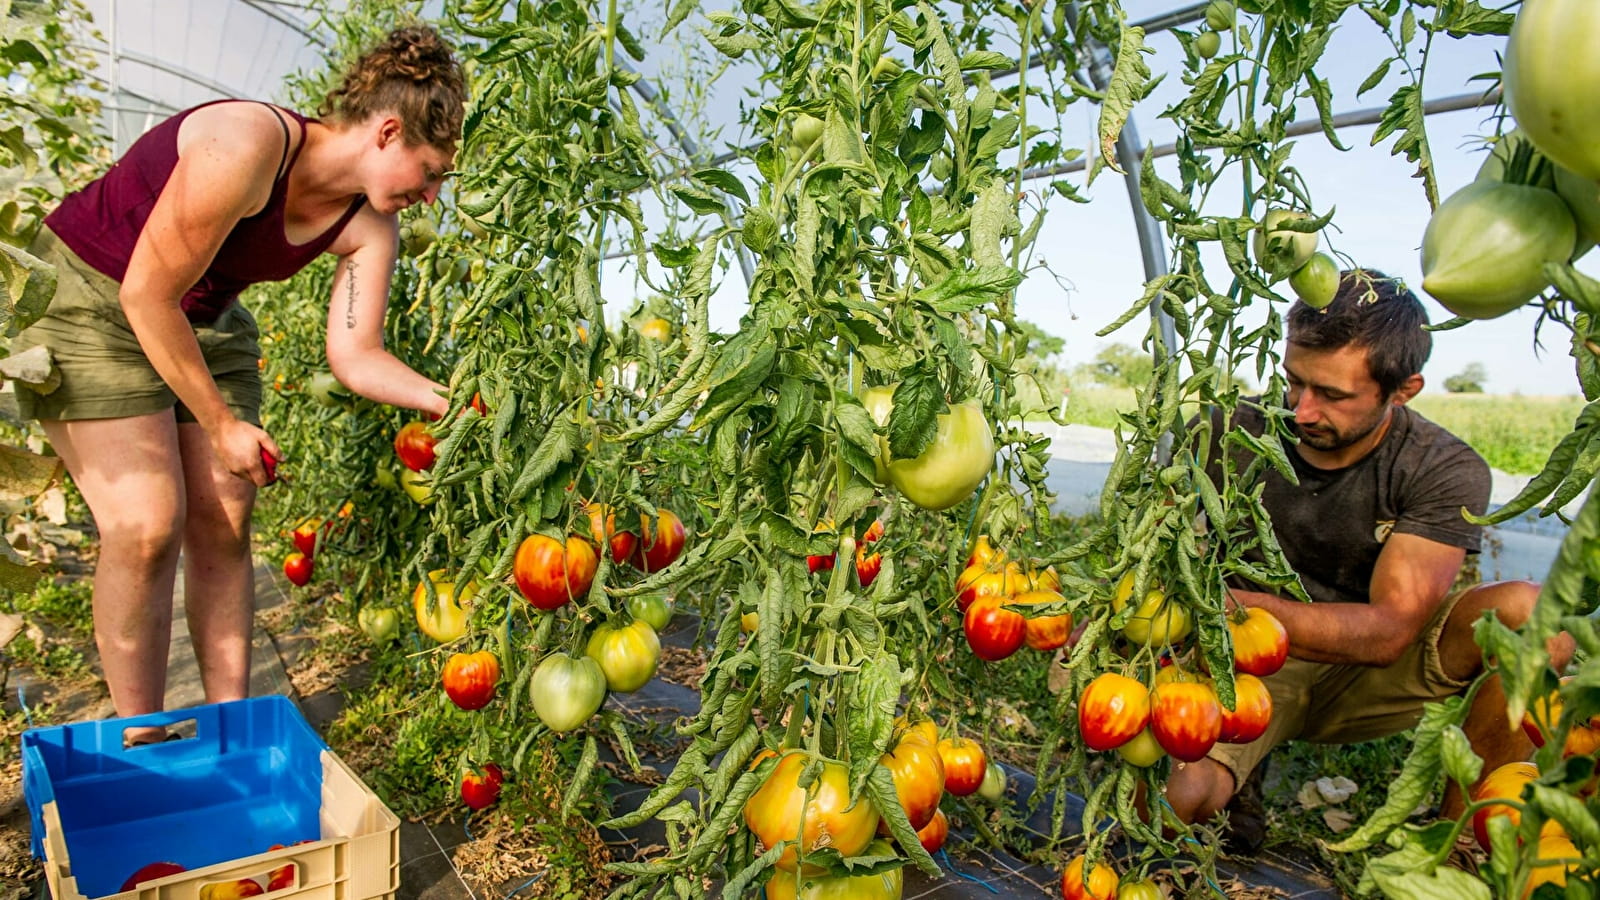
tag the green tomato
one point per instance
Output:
(651, 608)
(1550, 73)
(1143, 889)
(381, 624)
(1143, 750)
(1316, 282)
(789, 885)
(953, 464)
(324, 388)
(806, 130)
(1219, 15)
(1581, 195)
(1484, 251)
(383, 476)
(566, 691)
(417, 485)
(1281, 251)
(993, 788)
(627, 655)
(1207, 44)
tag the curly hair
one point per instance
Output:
(413, 74)
(1373, 311)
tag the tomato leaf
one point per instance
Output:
(1417, 775)
(723, 180)
(918, 400)
(1570, 811)
(1460, 762)
(1130, 82)
(1408, 874)
(873, 693)
(880, 790)
(580, 776)
(966, 290)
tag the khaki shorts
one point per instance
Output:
(104, 372)
(1334, 704)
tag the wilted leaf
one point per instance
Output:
(24, 474)
(1338, 820)
(34, 368)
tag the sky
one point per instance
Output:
(1381, 210)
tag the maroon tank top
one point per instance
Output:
(101, 222)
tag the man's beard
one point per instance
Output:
(1326, 438)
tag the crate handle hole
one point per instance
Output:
(140, 736)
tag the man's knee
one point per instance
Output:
(1199, 790)
(1512, 603)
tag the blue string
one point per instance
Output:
(522, 886)
(1214, 886)
(952, 867)
(22, 701)
(466, 830)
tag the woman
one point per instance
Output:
(158, 414)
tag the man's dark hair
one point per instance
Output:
(1373, 311)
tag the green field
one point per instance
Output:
(1513, 432)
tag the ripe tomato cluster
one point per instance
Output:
(868, 565)
(990, 584)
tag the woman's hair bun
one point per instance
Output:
(411, 73)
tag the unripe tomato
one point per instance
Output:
(979, 581)
(383, 476)
(567, 690)
(452, 614)
(1317, 282)
(818, 817)
(1143, 889)
(1143, 751)
(953, 464)
(481, 789)
(1219, 15)
(1112, 710)
(1553, 847)
(1279, 250)
(1251, 713)
(414, 445)
(1260, 642)
(922, 730)
(297, 568)
(656, 329)
(749, 622)
(1207, 44)
(1102, 881)
(993, 788)
(549, 573)
(418, 487)
(470, 679)
(918, 773)
(1543, 717)
(1505, 782)
(1549, 75)
(890, 885)
(1045, 579)
(651, 608)
(304, 537)
(993, 632)
(1581, 195)
(1157, 621)
(1044, 633)
(1485, 248)
(984, 554)
(933, 835)
(1186, 719)
(964, 765)
(806, 130)
(603, 527)
(628, 654)
(381, 624)
(660, 543)
(324, 389)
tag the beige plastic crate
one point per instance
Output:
(358, 857)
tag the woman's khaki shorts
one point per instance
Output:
(1329, 704)
(104, 372)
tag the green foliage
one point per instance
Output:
(1515, 434)
(1119, 366)
(1468, 381)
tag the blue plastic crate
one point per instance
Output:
(251, 777)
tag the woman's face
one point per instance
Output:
(405, 174)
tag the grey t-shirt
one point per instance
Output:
(1333, 525)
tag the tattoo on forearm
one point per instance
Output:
(350, 284)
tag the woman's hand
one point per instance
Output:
(239, 445)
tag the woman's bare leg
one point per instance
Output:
(219, 583)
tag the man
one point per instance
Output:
(1376, 533)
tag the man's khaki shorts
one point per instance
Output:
(104, 372)
(1335, 704)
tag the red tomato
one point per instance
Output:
(1251, 713)
(993, 632)
(1260, 643)
(1543, 717)
(978, 581)
(918, 773)
(151, 872)
(281, 877)
(659, 544)
(270, 463)
(932, 835)
(815, 564)
(1506, 783)
(1186, 719)
(603, 526)
(479, 790)
(965, 764)
(297, 568)
(305, 537)
(549, 574)
(414, 445)
(232, 890)
(1102, 881)
(1044, 633)
(923, 729)
(820, 816)
(1112, 711)
(470, 678)
(868, 565)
